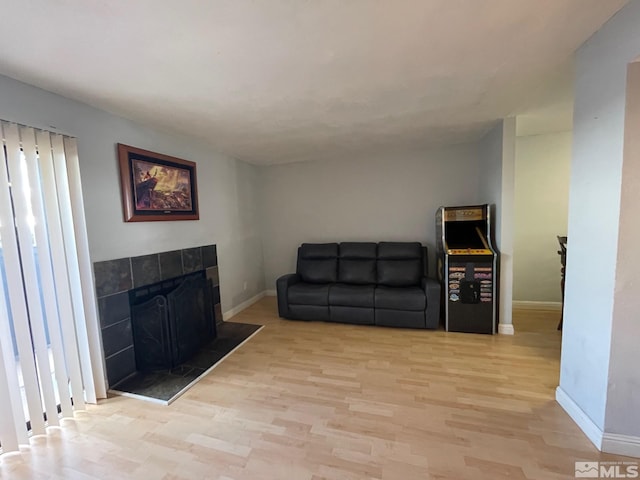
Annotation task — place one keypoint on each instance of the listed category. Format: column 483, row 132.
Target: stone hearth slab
column 166, row 386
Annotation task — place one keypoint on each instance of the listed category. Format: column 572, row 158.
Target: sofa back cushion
column 318, row 262
column 400, row 264
column 357, row 263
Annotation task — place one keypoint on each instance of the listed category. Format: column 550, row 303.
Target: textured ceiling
column 278, row 81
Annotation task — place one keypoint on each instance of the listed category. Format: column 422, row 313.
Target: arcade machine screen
column 464, row 235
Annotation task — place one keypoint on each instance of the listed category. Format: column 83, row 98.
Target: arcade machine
column 467, row 268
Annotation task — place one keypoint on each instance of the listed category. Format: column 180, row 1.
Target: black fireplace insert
column 171, row 320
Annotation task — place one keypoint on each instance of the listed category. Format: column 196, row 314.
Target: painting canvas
column 157, row 187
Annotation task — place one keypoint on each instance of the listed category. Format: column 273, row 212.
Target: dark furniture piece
column 364, row 283
column 467, row 268
column 563, row 261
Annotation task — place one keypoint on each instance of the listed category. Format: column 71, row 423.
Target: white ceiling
column 278, row 81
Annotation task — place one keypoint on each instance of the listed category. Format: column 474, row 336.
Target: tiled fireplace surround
column 114, row 279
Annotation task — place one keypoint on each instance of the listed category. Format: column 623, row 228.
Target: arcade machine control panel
column 467, row 268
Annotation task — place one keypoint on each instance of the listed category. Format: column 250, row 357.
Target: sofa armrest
column 431, row 289
column 282, row 287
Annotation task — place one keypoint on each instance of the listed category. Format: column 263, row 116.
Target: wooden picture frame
column 156, row 187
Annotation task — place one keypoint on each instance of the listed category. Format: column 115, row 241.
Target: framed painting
column 156, row 187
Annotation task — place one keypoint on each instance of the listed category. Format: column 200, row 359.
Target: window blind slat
column 21, row 202
column 13, row 429
column 60, row 273
column 8, row 432
column 68, row 234
column 46, row 275
column 85, row 269
column 15, row 289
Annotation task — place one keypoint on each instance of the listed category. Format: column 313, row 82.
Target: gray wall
column 391, row 197
column 496, row 153
column 588, row 377
column 227, row 189
column 541, row 212
column 490, row 154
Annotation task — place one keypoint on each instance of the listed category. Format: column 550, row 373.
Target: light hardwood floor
column 317, row 400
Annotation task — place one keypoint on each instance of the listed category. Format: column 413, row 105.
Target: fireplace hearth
column 164, row 386
column 171, row 321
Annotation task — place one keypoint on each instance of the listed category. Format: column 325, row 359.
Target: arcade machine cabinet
column 467, row 268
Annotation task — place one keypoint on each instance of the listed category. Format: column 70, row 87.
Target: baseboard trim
column 506, row 329
column 238, row 308
column 590, row 429
column 530, row 305
column 270, row 293
column 621, row 444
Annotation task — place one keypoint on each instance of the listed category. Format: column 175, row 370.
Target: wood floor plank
column 314, row 400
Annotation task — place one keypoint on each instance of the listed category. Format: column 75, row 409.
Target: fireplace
column 167, row 282
column 171, row 321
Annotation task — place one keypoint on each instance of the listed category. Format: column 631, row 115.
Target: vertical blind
column 49, row 360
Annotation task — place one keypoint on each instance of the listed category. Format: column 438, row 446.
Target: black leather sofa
column 364, row 283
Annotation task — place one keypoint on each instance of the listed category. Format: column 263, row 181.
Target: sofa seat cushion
column 351, row 295
column 400, row 298
column 400, row 273
column 308, row 294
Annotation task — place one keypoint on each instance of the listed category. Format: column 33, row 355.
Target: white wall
column 586, row 373
column 541, row 211
column 623, row 393
column 226, row 187
column 594, row 205
column 391, row 197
